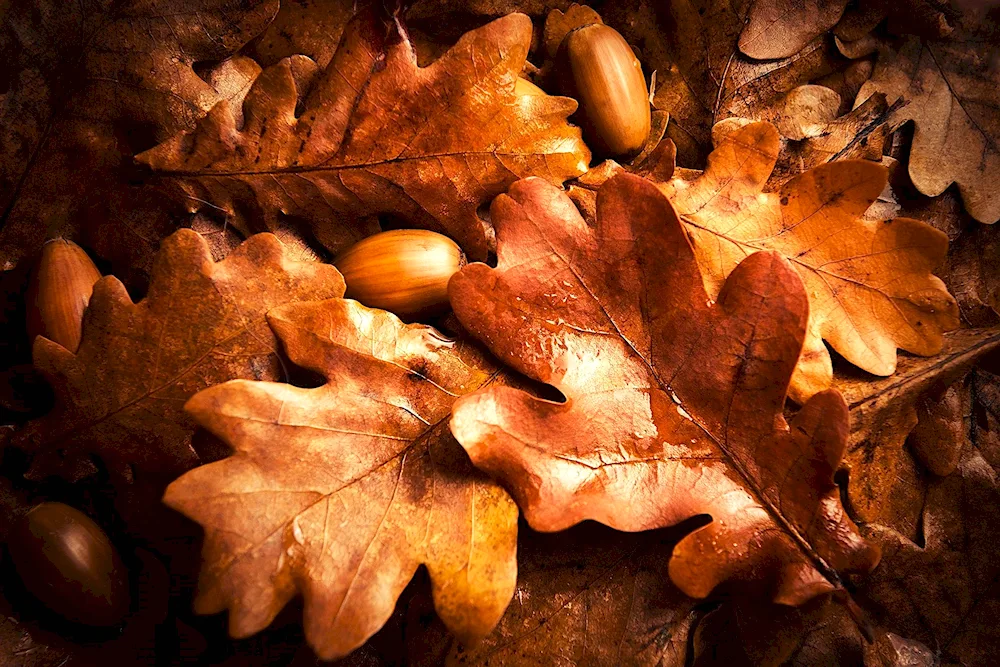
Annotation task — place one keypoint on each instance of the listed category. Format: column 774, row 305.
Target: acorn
column 60, row 288
column 66, row 561
column 405, row 271
column 596, row 66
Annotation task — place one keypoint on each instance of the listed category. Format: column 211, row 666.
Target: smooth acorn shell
column 66, row 561
column 596, row 66
column 58, row 293
column 404, row 271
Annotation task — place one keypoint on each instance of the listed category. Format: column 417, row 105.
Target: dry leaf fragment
column 950, row 93
column 673, row 402
column 870, row 285
column 120, row 395
column 375, row 133
column 340, row 492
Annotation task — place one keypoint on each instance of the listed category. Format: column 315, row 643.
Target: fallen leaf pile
column 743, row 387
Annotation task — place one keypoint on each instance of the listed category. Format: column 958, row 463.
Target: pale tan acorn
column 596, row 66
column 66, row 561
column 58, row 293
column 404, row 271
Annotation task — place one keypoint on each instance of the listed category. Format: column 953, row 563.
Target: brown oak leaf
column 120, row 396
column 870, row 284
column 376, row 133
column 340, row 492
column 780, row 28
column 673, row 401
column 950, row 92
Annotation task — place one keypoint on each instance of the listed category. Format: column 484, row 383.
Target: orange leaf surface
column 673, row 402
column 340, row 492
column 870, row 284
column 376, row 133
column 120, row 396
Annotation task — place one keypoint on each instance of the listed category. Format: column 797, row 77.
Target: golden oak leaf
column 950, row 92
column 870, row 284
column 673, row 401
column 120, row 396
column 375, row 133
column 340, row 492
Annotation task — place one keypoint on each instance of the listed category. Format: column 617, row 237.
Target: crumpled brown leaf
column 120, row 396
column 93, row 83
column 340, row 492
column 887, row 484
column 950, row 92
column 375, row 133
column 673, row 402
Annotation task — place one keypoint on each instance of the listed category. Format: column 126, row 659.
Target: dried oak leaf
column 376, row 133
column 781, row 28
column 950, row 92
column 887, row 485
column 120, row 396
column 92, row 83
column 870, row 284
column 340, row 492
column 673, row 402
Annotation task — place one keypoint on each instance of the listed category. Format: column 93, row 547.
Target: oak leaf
column 673, row 402
column 120, row 396
column 340, row 492
column 780, row 28
column 376, row 133
column 949, row 89
column 870, row 285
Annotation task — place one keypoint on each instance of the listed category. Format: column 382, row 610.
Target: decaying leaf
column 376, row 133
column 340, row 492
column 673, row 402
column 886, row 486
column 120, row 396
column 93, row 83
column 870, row 285
column 949, row 89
